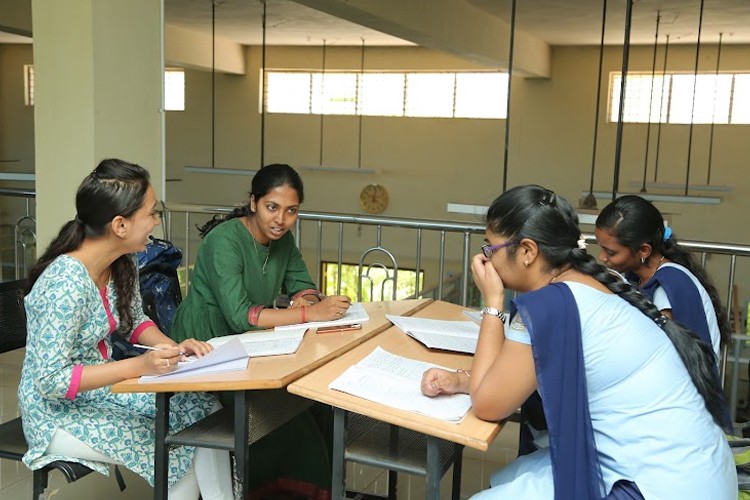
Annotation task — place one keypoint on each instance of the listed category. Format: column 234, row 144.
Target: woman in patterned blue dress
column 631, row 403
column 84, row 288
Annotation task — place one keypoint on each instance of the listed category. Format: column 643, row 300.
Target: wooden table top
column 472, row 431
column 273, row 372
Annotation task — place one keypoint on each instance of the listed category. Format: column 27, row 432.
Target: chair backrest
column 12, row 315
column 385, row 275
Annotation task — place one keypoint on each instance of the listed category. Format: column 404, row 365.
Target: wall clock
column 373, row 199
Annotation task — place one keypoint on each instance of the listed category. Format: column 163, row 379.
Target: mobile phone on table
column 339, row 328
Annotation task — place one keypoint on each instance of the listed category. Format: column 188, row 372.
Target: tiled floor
column 15, row 479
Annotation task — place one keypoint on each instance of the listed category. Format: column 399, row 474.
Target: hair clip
column 661, row 320
column 582, row 243
column 667, row 233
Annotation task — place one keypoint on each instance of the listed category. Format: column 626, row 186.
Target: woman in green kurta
column 245, row 261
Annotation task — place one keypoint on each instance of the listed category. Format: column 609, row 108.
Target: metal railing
column 24, row 230
column 442, row 249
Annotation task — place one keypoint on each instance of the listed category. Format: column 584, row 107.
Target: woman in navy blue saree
column 631, row 403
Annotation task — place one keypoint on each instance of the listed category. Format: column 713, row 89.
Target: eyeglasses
column 488, row 250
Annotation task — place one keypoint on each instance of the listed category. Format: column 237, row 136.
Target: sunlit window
column 681, row 98
column 432, row 95
column 174, row 90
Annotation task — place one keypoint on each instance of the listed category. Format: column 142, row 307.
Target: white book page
column 230, row 356
column 412, row 324
column 459, row 336
column 355, row 314
column 395, row 381
column 273, row 343
column 455, row 343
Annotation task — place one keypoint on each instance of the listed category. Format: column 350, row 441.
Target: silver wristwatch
column 492, row 311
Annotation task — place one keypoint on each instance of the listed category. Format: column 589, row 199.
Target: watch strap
column 492, row 311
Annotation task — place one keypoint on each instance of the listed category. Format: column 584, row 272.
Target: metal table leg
column 161, row 453
column 457, row 464
column 735, row 378
column 338, row 473
column 241, row 439
column 432, row 486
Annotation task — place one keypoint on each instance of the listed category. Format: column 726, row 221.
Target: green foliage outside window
column 350, row 280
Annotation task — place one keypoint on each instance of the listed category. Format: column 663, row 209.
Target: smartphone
column 339, row 328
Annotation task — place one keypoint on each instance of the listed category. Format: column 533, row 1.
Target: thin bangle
column 461, row 370
column 304, row 316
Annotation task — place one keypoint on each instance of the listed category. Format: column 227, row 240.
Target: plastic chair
column 12, row 441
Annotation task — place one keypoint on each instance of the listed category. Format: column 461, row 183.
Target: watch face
column 373, row 199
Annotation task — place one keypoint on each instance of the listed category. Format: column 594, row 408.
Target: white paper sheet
column 458, row 336
column 230, row 356
column 355, row 314
column 395, row 381
column 273, row 343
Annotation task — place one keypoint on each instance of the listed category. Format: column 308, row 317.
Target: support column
column 98, row 68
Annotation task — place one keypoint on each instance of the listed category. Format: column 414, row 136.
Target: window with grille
column 174, row 88
column 722, row 98
column 406, row 286
column 428, row 95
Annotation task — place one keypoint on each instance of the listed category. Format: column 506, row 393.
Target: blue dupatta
column 684, row 298
column 687, row 309
column 551, row 318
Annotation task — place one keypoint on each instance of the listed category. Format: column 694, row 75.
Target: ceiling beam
column 451, row 26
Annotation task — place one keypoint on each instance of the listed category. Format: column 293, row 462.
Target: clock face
column 373, row 199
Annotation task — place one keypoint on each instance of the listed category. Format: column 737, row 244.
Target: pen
column 152, row 348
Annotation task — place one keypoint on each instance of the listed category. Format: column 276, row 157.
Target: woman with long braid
column 632, row 405
column 634, row 241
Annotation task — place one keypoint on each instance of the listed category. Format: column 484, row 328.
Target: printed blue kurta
column 69, row 324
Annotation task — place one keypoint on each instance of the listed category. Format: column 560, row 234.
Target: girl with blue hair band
column 635, row 242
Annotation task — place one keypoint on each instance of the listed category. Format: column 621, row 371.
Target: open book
column 355, row 314
column 459, row 336
column 228, row 357
column 258, row 344
column 395, row 381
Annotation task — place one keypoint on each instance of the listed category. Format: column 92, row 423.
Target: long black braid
column 549, row 220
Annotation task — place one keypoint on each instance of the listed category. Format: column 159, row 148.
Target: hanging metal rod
column 623, row 87
column 661, row 101
column 692, row 108
column 713, row 113
column 590, row 200
column 651, row 101
column 263, row 91
column 510, row 85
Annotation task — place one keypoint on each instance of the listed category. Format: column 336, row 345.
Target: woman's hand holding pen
column 329, row 308
column 160, row 359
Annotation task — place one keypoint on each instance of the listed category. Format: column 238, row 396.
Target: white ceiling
column 558, row 22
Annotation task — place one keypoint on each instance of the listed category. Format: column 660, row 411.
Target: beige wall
column 426, row 163
column 16, row 119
